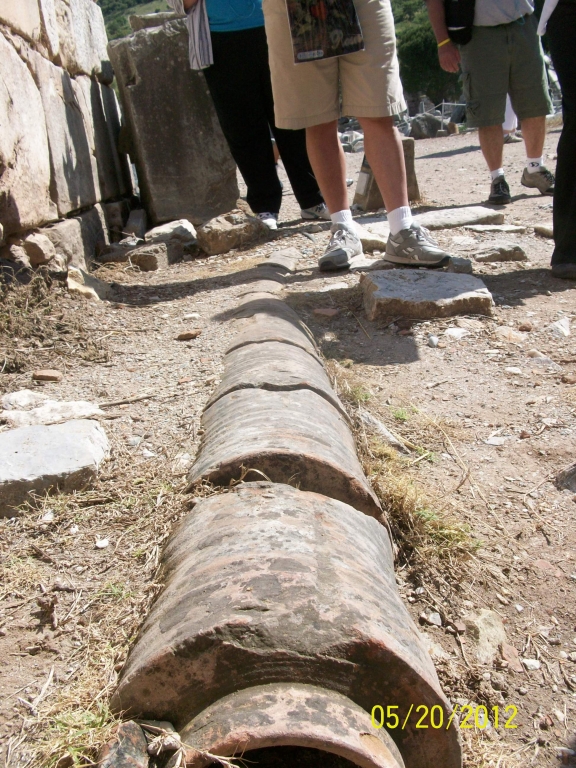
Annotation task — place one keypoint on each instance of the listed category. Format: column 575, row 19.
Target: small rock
column 531, row 664
column 496, row 252
column 519, row 608
column 434, row 619
column 535, row 353
column 486, row 632
column 128, row 749
column 566, row 479
column 102, row 543
column 459, row 265
column 456, row 333
column 498, row 681
column 460, row 627
column 433, row 341
column 495, row 440
column 522, row 691
column 60, row 585
column 39, row 249
column 188, row 335
column 134, row 441
column 526, row 327
column 511, row 335
column 148, row 454
column 514, row 371
column 74, row 529
column 544, row 230
column 569, row 378
column 221, row 234
column 561, row 327
column 326, row 312
column 181, row 230
column 572, row 656
column 47, row 374
column 192, row 316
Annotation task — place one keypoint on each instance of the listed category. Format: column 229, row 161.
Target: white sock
column 534, row 164
column 343, row 217
column 399, row 218
column 496, row 173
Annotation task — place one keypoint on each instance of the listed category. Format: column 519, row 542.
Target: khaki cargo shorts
column 500, row 60
column 307, row 94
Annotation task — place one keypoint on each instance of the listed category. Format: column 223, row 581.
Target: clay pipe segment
column 283, row 715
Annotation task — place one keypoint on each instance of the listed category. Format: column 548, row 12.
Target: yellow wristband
column 444, row 42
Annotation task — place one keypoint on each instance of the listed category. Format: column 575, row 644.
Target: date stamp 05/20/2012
column 466, row 717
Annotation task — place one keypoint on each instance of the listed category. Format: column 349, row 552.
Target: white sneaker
column 343, row 246
column 317, row 212
column 269, row 219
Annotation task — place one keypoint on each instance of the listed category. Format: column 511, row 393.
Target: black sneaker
column 500, row 192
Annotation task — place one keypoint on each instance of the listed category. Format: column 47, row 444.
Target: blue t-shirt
column 234, row 15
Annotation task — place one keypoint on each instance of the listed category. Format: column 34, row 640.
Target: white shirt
column 490, row 13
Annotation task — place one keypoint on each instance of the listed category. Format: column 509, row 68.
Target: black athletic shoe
column 500, row 192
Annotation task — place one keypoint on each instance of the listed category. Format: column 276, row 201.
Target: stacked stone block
column 59, row 121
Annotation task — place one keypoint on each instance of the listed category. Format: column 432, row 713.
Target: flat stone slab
column 447, row 218
column 268, row 584
column 518, row 228
column 275, row 366
column 60, row 456
column 295, row 437
column 424, row 294
column 496, row 252
column 263, row 327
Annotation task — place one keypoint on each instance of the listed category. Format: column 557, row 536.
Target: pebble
column 456, row 333
column 572, row 656
column 188, row 335
column 531, row 664
column 522, row 691
column 48, row 516
column 192, row 316
column 560, row 327
column 47, row 374
column 74, row 529
column 148, row 454
column 519, row 608
column 326, row 312
column 134, row 441
column 514, row 371
column 102, row 543
column 433, row 341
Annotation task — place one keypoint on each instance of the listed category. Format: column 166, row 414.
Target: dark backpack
column 459, row 20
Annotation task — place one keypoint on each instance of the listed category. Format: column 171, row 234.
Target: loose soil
column 477, row 520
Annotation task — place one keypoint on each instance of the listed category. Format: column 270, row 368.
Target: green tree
column 418, row 54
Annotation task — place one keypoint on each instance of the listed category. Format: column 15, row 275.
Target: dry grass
column 35, row 329
column 97, row 621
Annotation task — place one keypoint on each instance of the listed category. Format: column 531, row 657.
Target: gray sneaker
column 542, row 180
column 415, row 246
column 343, row 246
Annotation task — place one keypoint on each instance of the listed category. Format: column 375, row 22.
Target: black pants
column 562, row 39
column 239, row 82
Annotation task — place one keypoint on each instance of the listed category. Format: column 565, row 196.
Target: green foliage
column 418, row 54
column 116, row 14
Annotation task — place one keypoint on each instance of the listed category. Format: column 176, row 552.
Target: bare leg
column 534, row 134
column 492, row 145
column 329, row 164
column 386, row 157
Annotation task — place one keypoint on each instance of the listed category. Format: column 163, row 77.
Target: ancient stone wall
column 59, row 127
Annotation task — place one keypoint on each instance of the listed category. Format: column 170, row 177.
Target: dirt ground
column 492, row 531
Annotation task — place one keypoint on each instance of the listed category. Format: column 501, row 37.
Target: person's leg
column 561, row 35
column 329, row 164
column 492, row 145
column 530, row 99
column 385, row 155
column 234, row 84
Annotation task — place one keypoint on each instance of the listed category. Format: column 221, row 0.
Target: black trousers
column 562, row 40
column 240, row 86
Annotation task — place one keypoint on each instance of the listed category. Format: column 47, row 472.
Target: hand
column 449, row 57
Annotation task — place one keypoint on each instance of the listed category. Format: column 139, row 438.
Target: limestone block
column 102, row 120
column 24, row 154
column 151, row 20
column 50, row 36
column 23, row 16
column 423, row 294
column 269, row 584
column 70, row 137
column 79, row 239
column 36, row 459
column 83, row 39
column 182, row 231
column 184, row 165
column 296, row 437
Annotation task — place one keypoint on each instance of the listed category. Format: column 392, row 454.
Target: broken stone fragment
column 128, row 748
column 567, row 478
column 39, row 249
column 47, row 374
column 37, row 459
column 224, row 233
column 188, row 335
column 486, row 632
column 495, row 252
